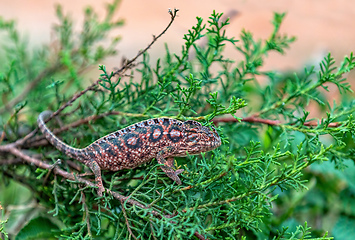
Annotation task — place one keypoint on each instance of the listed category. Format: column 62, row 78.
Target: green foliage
column 2, row 231
column 253, row 187
column 344, row 228
column 301, row 232
column 38, row 228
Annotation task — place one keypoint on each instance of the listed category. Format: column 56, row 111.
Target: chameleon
column 159, row 138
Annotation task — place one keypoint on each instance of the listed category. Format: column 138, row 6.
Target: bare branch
column 254, row 119
column 127, row 223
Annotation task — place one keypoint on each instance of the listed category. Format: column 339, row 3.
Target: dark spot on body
column 95, row 146
column 104, row 145
column 141, row 130
column 116, row 142
column 128, row 157
column 155, row 129
column 111, row 152
column 132, row 141
column 90, row 153
column 72, row 151
column 173, row 134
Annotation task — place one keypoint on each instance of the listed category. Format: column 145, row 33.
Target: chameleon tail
column 75, row 153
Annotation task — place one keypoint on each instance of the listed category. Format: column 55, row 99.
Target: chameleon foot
column 172, row 174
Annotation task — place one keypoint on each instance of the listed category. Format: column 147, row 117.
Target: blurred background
column 321, row 26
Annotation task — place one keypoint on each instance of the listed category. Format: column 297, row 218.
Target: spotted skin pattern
column 160, row 138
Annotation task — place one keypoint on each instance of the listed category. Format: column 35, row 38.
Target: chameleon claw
column 173, row 175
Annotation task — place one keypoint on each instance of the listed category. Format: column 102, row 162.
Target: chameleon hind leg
column 169, row 164
column 95, row 168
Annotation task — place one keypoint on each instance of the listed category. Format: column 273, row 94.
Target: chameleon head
column 198, row 138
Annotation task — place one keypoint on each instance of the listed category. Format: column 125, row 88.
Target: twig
column 199, row 236
column 254, row 119
column 315, row 124
column 155, row 38
column 151, row 229
column 50, row 171
column 127, row 223
column 87, row 219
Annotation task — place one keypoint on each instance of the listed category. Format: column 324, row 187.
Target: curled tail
column 75, row 153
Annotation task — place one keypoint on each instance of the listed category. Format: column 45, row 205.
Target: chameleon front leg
column 95, row 168
column 169, row 164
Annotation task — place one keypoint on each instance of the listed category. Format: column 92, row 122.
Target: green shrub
column 265, row 182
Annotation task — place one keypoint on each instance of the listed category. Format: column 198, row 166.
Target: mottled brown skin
column 134, row 145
